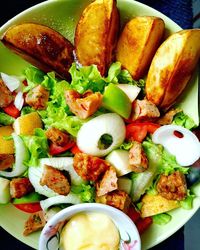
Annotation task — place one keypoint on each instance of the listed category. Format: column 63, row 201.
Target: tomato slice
column 29, row 207
column 137, row 131
column 56, row 150
column 12, row 110
column 143, row 224
column 75, row 149
column 133, row 214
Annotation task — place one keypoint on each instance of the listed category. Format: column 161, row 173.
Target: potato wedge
column 97, row 33
column 172, row 67
column 6, row 146
column 26, row 124
column 138, row 43
column 41, row 46
column 156, row 204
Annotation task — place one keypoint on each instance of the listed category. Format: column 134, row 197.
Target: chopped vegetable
column 12, row 110
column 55, row 150
column 29, row 207
column 162, row 219
column 21, row 156
column 6, row 119
column 91, row 132
column 137, row 131
column 60, row 199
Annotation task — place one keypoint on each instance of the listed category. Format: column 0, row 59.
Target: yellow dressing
column 90, row 231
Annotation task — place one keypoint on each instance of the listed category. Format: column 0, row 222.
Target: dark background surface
column 12, row 7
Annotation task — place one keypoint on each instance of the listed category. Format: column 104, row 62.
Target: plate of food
column 98, row 103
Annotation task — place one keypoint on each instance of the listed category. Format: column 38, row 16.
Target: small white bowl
column 129, row 235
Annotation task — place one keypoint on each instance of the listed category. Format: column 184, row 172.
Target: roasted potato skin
column 42, row 46
column 97, row 33
column 172, row 67
column 138, row 43
column 156, row 204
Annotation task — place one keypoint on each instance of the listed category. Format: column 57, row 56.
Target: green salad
column 84, row 140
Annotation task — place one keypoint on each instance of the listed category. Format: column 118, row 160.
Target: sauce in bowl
column 91, row 231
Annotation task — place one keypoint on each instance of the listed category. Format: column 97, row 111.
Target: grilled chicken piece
column 108, row 182
column 35, row 222
column 118, row 199
column 173, row 186
column 84, row 105
column 20, row 187
column 168, row 117
column 6, row 161
column 37, row 97
column 58, row 137
column 89, row 168
column 5, row 95
column 55, row 180
column 137, row 158
column 144, row 110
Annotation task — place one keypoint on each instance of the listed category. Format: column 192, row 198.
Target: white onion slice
column 186, row 147
column 91, row 132
column 11, row 82
column 131, row 91
column 19, row 100
column 60, row 199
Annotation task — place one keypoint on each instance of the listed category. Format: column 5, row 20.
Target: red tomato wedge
column 143, row 224
column 75, row 149
column 137, row 131
column 56, row 150
column 133, row 214
column 12, row 110
column 29, row 207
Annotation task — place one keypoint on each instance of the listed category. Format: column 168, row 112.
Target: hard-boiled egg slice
column 180, row 142
column 90, row 134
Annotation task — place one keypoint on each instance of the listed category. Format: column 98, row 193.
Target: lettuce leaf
column 118, row 75
column 6, row 119
column 33, row 76
column 27, row 110
column 57, row 117
column 85, row 191
column 187, row 203
column 37, row 145
column 87, row 77
column 161, row 219
column 126, row 145
column 165, row 161
column 184, row 120
column 57, row 96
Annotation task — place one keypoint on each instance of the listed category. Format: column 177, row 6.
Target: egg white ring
column 91, row 132
column 186, row 149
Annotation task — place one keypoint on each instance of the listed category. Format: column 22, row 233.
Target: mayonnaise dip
column 90, row 231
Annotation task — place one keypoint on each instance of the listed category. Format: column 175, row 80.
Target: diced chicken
column 55, row 180
column 58, row 137
column 173, row 186
column 20, row 187
column 108, row 182
column 37, row 97
column 6, row 161
column 144, row 110
column 168, row 117
column 84, row 105
column 89, row 168
column 5, row 95
column 118, row 199
column 137, row 158
column 35, row 222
